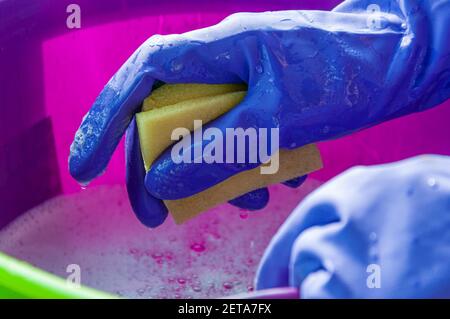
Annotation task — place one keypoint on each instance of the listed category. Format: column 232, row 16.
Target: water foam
column 214, row 255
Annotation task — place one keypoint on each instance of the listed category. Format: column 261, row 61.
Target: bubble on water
column 119, row 293
column 181, row 281
column 157, row 255
column 243, row 215
column 196, row 288
column 140, row 291
column 259, row 69
column 198, row 247
column 172, row 239
column 227, row 285
column 168, row 256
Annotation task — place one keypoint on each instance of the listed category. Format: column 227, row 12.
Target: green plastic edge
column 19, row 279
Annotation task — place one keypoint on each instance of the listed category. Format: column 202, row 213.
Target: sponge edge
column 169, row 94
column 292, row 163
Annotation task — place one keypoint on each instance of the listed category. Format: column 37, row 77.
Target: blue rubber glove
column 372, row 232
column 149, row 210
column 314, row 75
column 259, row 198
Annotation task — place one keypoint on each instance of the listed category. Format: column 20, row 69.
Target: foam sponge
column 156, row 125
column 169, row 94
column 178, row 105
column 293, row 163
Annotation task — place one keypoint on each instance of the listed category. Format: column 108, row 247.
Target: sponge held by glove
column 178, row 105
column 159, row 118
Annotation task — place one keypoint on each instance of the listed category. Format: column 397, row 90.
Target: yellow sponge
column 156, row 125
column 178, row 105
column 169, row 94
column 293, row 163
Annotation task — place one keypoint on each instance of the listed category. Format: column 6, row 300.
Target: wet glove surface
column 371, row 232
column 314, row 75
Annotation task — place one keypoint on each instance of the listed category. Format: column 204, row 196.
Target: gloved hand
column 314, row 75
column 151, row 211
column 372, row 232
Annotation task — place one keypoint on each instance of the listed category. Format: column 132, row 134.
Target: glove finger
column 313, row 265
column 253, row 200
column 149, row 210
column 273, row 270
column 169, row 178
column 105, row 123
column 295, row 182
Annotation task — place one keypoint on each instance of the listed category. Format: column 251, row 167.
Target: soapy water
column 212, row 256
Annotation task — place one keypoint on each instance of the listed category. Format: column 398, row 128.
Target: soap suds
column 212, row 256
